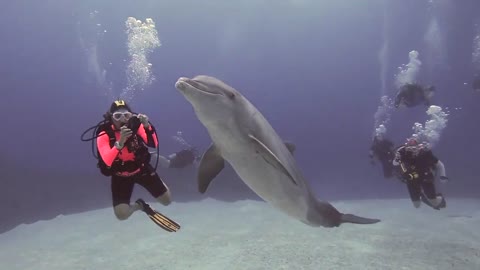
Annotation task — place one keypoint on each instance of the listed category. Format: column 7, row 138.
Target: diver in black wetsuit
column 183, row 158
column 476, row 83
column 413, row 94
column 382, row 149
column 418, row 168
column 178, row 160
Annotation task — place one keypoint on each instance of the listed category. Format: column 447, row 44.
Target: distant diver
column 418, row 168
column 122, row 140
column 382, row 149
column 476, row 83
column 178, row 160
column 413, row 94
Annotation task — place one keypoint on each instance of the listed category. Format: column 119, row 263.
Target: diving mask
column 118, row 115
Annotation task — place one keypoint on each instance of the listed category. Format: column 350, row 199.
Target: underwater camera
column 134, row 124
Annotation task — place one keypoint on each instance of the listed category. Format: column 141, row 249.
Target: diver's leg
column 165, row 198
column 157, row 188
column 436, row 200
column 414, row 192
column 387, row 168
column 163, row 161
column 122, row 188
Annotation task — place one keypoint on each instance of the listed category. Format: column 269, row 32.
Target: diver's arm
column 162, row 161
column 371, row 156
column 401, row 95
column 426, row 98
column 396, row 159
column 440, row 169
column 107, row 153
column 390, row 144
column 148, row 135
column 398, row 98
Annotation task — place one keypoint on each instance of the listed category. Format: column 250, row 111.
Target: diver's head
column 119, row 113
column 379, row 137
column 380, row 132
column 413, row 147
column 411, row 142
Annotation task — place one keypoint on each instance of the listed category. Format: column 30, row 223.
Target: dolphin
column 244, row 138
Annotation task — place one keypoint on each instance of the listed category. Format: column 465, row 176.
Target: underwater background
column 317, row 70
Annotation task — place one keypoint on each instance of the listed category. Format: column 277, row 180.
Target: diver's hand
column 397, row 159
column 144, row 120
column 125, row 133
column 444, row 179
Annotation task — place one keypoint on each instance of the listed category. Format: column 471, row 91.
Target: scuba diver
column 178, row 160
column 476, row 83
column 413, row 94
column 418, row 168
column 382, row 149
column 122, row 140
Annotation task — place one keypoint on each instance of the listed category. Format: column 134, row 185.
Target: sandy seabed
column 251, row 235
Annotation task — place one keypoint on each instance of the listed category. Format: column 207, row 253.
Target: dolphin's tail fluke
column 349, row 218
column 326, row 215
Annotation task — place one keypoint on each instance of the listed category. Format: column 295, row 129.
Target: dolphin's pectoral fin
column 210, row 166
column 270, row 157
column 291, row 147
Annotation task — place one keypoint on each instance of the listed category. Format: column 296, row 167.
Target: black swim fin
column 161, row 220
column 349, row 218
column 426, row 201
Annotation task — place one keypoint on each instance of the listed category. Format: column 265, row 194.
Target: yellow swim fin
column 161, row 220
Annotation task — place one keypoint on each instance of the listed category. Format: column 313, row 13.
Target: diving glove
column 125, row 133
column 143, row 119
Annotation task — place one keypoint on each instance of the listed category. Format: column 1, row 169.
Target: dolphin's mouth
column 184, row 83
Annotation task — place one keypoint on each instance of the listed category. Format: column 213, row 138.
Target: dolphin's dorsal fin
column 270, row 157
column 291, row 147
column 211, row 164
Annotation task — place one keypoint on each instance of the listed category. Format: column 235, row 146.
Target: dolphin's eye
column 231, row 95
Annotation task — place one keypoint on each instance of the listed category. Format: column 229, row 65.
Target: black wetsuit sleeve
column 389, row 144
column 425, row 99
column 398, row 98
column 401, row 155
